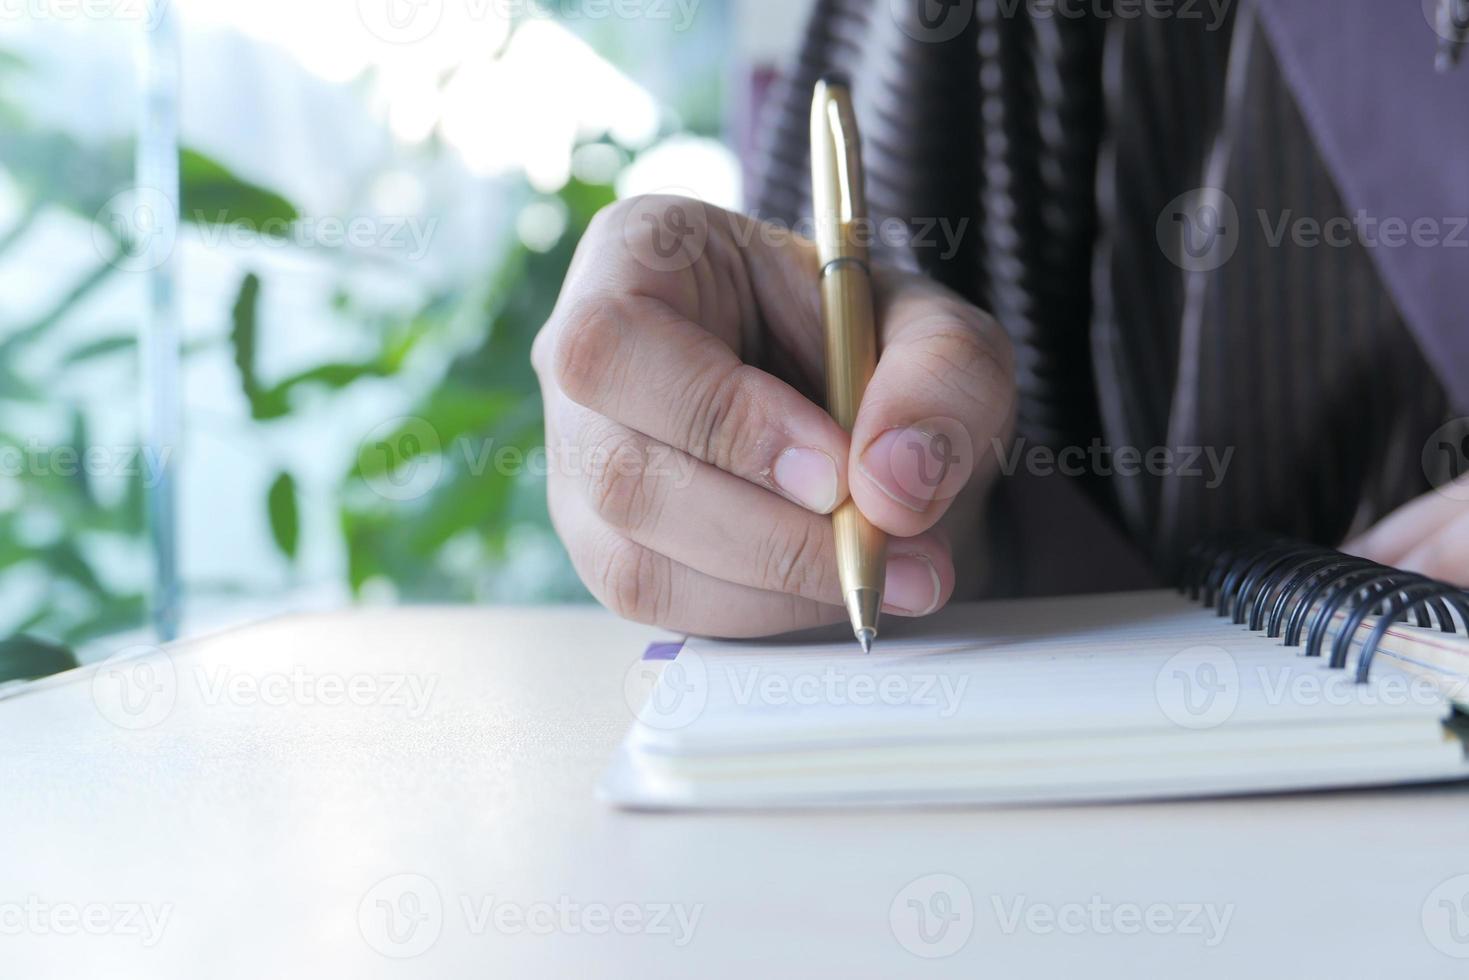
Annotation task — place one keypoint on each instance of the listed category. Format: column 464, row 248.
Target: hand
column 1429, row 535
column 692, row 466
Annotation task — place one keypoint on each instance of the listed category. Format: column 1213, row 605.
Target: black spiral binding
column 1289, row 588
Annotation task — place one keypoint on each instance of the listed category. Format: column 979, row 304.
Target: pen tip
column 865, row 637
column 835, row 78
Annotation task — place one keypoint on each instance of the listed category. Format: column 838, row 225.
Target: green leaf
column 100, row 348
column 243, row 336
column 113, row 614
column 10, row 61
column 210, row 194
column 80, row 440
column 73, row 298
column 242, row 332
column 17, row 231
column 66, row 560
column 25, row 657
column 330, row 376
column 285, row 517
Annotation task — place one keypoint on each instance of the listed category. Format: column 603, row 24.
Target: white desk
column 254, row 824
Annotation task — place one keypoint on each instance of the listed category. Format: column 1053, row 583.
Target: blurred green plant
column 479, row 406
column 54, row 517
column 486, row 407
column 485, row 403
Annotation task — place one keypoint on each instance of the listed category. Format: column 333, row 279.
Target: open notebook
column 1140, row 695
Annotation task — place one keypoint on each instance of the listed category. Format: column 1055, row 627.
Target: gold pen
column 851, row 335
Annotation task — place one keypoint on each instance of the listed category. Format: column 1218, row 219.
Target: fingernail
column 912, row 585
column 899, row 462
column 809, row 477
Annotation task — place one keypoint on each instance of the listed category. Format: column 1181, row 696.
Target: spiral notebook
column 1306, row 670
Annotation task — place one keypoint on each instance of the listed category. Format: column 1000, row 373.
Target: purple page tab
column 663, row 651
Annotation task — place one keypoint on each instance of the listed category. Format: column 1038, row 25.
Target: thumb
column 942, row 397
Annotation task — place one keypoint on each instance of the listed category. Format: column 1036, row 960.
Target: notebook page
column 1132, row 664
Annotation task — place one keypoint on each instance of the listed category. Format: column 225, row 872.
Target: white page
column 1144, row 662
column 1137, row 695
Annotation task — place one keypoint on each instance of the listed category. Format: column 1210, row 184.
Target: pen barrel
column 851, row 358
column 851, row 333
column 851, row 337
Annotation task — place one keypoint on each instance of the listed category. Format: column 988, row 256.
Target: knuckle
column 585, row 351
column 722, row 427
column 971, row 366
column 631, row 581
column 797, row 559
column 609, row 221
column 540, row 351
column 620, row 488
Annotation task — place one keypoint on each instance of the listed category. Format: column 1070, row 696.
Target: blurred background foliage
column 476, row 530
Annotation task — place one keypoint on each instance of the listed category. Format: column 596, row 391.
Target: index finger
column 657, row 349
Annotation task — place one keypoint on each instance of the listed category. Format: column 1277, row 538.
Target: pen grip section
column 851, row 338
column 861, row 553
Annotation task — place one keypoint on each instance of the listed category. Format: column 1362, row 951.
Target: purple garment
column 1395, row 134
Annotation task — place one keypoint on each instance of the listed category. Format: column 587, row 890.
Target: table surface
column 410, row 793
